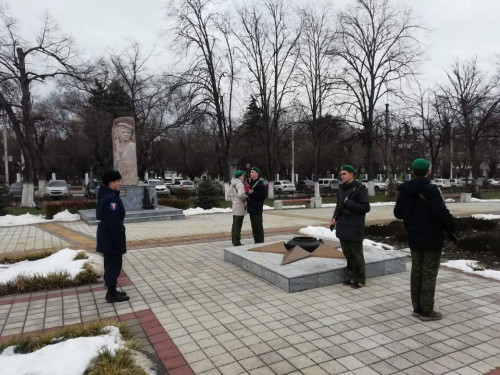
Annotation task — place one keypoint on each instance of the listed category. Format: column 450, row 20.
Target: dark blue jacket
column 111, row 231
column 255, row 201
column 350, row 214
column 421, row 207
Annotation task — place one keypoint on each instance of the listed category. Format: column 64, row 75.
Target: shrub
column 482, row 243
column 468, row 223
column 176, row 203
column 53, row 208
column 4, row 199
column 207, row 195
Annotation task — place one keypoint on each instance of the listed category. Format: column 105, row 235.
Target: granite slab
column 311, row 272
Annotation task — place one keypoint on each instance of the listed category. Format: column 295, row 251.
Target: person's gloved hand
column 332, row 227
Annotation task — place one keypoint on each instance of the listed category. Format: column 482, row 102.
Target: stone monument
column 124, row 149
column 140, row 202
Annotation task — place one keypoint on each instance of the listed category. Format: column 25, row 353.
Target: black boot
column 113, row 296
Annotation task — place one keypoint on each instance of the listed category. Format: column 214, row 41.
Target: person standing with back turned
column 349, row 221
column 111, row 240
column 421, row 207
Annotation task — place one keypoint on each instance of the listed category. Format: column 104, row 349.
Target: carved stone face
column 124, row 134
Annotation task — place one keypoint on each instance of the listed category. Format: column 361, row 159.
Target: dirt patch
column 478, row 240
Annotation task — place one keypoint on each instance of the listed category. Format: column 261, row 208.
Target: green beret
column 238, row 173
column 348, row 168
column 256, row 170
column 420, row 164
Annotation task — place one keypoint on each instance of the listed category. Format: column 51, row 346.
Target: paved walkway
column 203, row 315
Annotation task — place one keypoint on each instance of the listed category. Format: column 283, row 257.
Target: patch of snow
column 486, row 216
column 70, row 357
column 469, row 265
column 63, row 261
column 201, row 211
column 484, row 200
column 326, row 234
column 66, row 216
column 27, row 219
column 449, row 200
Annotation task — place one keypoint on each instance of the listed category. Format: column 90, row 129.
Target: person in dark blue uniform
column 111, row 240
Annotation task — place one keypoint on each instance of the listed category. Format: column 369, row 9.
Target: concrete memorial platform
column 310, row 272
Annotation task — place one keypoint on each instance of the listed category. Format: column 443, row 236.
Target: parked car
column 284, row 186
column 91, row 188
column 304, row 185
column 57, row 188
column 328, row 184
column 16, row 189
column 183, row 185
column 378, row 184
column 169, row 181
column 456, row 182
column 491, row 181
column 159, row 185
column 441, row 182
column 219, row 187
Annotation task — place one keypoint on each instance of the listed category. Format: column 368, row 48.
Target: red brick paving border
column 123, row 280
column 167, row 352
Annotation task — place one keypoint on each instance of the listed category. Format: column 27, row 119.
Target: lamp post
column 293, row 154
column 5, row 151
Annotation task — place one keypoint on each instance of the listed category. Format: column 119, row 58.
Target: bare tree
column 23, row 64
column 315, row 74
column 434, row 120
column 379, row 49
column 158, row 103
column 474, row 98
column 267, row 44
column 203, row 34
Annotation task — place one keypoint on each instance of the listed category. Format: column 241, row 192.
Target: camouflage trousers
column 236, row 230
column 257, row 228
column 353, row 252
column 424, row 271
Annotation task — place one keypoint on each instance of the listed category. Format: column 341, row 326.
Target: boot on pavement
column 433, row 315
column 113, row 296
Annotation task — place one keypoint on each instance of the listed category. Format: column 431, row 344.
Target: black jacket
column 111, row 231
column 350, row 214
column 426, row 219
column 256, row 199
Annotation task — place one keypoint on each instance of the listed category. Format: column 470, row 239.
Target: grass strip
column 52, row 281
column 122, row 362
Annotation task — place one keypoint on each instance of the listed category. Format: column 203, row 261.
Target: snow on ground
column 200, row 211
column 70, row 357
column 63, row 260
column 469, row 265
column 484, row 200
column 26, row 219
column 486, row 216
column 326, row 234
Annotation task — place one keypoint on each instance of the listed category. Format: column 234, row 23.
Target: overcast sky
column 459, row 28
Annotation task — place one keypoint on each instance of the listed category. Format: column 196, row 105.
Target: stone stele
column 124, row 149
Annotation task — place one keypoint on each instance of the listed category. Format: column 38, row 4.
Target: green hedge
column 53, row 208
column 183, row 204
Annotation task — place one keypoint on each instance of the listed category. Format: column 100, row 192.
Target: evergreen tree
column 4, row 199
column 207, row 195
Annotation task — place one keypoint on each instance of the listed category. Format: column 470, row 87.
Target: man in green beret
column 255, row 204
column 238, row 197
column 421, row 207
column 349, row 221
